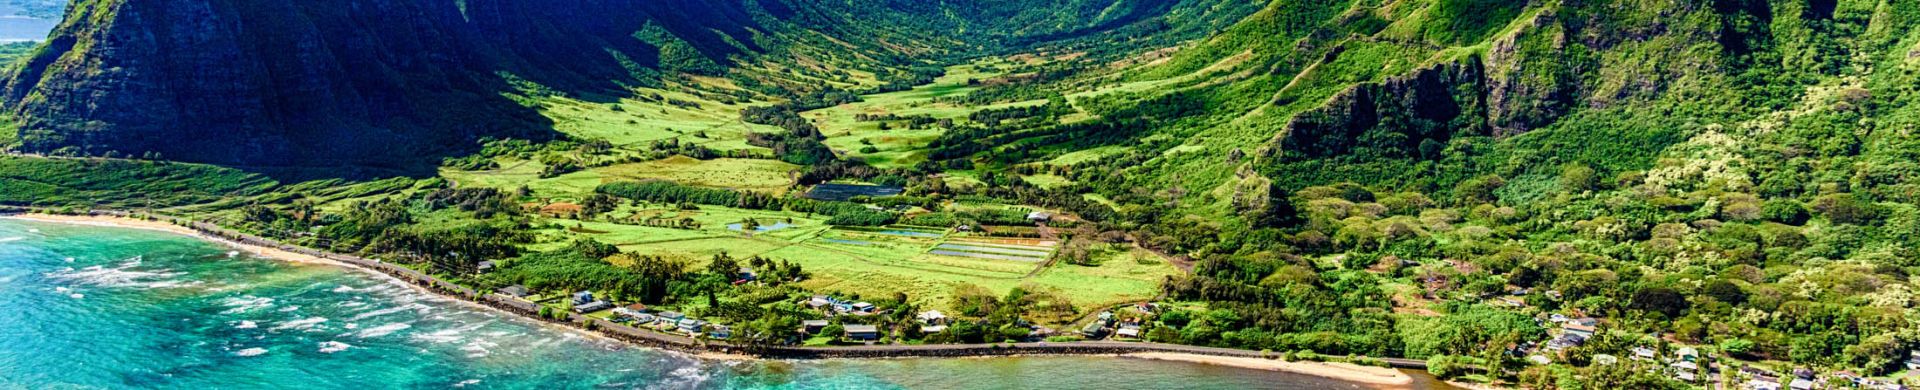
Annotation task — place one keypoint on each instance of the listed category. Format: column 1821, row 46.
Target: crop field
column 842, row 192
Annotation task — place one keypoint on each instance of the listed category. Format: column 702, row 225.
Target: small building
column 1605, row 359
column 691, row 326
column 1800, row 384
column 631, row 311
column 1688, row 354
column 1128, row 331
column 516, row 291
column 819, row 302
column 1762, row 384
column 1913, row 360
column 1558, row 318
column 484, row 266
column 644, row 319
column 812, row 327
column 1643, row 353
column 1540, row 359
column 1094, row 330
column 862, row 332
column 1039, row 216
column 862, row 307
column 672, row 316
column 582, row 298
column 590, row 307
column 720, row 332
column 932, row 317
column 1574, row 328
column 931, row 329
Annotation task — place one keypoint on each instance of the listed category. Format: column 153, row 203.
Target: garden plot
column 1025, row 250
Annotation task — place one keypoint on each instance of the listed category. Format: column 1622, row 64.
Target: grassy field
column 771, row 176
column 899, row 147
column 630, row 121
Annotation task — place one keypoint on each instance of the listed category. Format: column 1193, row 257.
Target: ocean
column 102, row 307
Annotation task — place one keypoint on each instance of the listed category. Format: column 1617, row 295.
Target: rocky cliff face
column 383, row 85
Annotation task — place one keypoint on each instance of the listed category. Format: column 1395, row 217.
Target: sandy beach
column 1378, row 376
column 132, row 223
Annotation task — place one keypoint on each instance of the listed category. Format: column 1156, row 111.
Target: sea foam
column 250, row 352
column 333, row 346
column 383, row 330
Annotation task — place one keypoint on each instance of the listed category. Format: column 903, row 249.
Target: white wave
column 333, row 346
column 289, row 308
column 384, row 330
column 343, row 288
column 353, row 304
column 304, row 323
column 77, row 295
column 69, row 259
column 390, row 310
column 352, row 326
column 33, row 230
column 446, row 336
column 61, row 289
column 250, row 352
column 465, row 383
column 479, row 348
column 245, row 325
column 123, row 275
column 244, row 304
column 11, row 239
column 233, row 253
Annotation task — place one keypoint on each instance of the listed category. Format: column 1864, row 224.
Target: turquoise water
column 95, row 307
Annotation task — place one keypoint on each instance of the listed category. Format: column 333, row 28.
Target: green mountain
column 1403, row 178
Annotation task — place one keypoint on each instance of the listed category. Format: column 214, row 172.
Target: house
column 631, row 311
column 671, row 316
column 931, row 329
column 1605, row 359
column 1131, row 331
column 643, row 319
column 1688, row 354
column 932, row 317
column 862, row 307
column 1576, row 327
column 484, row 266
column 819, row 302
column 590, row 307
column 720, row 332
column 1558, row 318
column 582, row 298
column 1565, row 341
column 691, row 326
column 1684, row 366
column 1762, row 384
column 1094, row 330
column 1913, row 360
column 812, row 326
column 1106, row 318
column 1643, row 353
column 1540, row 360
column 1801, row 384
column 862, row 332
column 516, row 291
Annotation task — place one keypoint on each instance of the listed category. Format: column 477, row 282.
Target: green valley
column 1552, row 194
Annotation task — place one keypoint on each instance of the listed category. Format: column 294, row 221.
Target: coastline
column 1363, row 375
column 1377, row 376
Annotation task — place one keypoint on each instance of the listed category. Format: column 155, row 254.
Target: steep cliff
column 385, row 85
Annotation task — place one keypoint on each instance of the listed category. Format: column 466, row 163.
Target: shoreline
column 1363, row 375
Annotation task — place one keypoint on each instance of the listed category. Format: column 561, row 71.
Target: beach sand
column 1378, row 376
column 132, row 223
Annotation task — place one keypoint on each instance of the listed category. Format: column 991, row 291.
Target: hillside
column 1428, row 179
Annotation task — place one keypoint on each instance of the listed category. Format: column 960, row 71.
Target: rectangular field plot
column 843, row 192
column 1000, row 250
column 985, row 255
